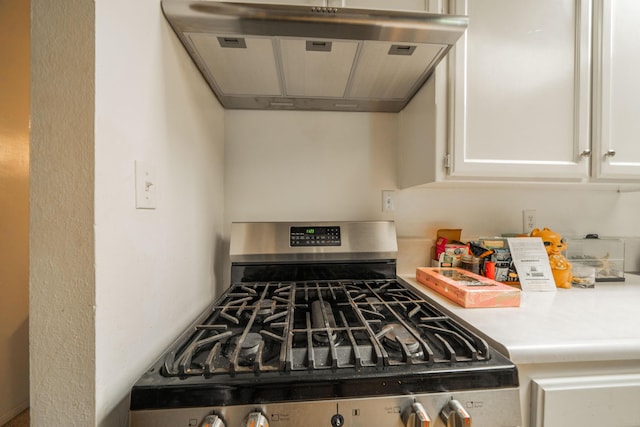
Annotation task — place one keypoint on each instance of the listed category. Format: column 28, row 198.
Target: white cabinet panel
column 617, row 91
column 589, row 401
column 521, row 90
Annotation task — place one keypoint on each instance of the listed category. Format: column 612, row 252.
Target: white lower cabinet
column 586, row 401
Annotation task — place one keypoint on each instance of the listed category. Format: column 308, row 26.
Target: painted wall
column 155, row 269
column 14, row 207
column 310, row 165
column 62, row 273
column 112, row 285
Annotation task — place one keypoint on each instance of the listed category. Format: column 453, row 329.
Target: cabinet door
column 521, row 91
column 617, row 90
column 590, row 401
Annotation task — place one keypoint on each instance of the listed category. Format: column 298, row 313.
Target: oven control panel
column 315, row 236
column 488, row 407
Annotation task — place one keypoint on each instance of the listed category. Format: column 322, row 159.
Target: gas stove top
column 326, row 324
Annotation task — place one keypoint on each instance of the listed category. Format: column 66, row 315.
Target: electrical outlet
column 528, row 220
column 388, row 200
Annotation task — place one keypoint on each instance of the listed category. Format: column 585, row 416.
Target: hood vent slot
column 397, row 49
column 261, row 56
column 315, row 46
column 233, row 42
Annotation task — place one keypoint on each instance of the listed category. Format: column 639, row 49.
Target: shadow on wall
column 20, row 365
column 118, row 416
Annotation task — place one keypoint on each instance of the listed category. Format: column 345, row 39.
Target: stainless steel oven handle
column 454, row 414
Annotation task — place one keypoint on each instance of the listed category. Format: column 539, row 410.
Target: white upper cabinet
column 616, row 130
column 535, row 91
column 520, row 88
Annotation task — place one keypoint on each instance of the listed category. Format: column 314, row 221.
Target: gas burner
column 394, row 335
column 266, row 307
column 248, row 348
column 322, row 318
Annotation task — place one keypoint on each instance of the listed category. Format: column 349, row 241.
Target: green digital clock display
column 315, row 236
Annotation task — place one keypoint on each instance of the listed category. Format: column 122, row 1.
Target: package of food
column 468, row 289
column 502, row 268
column 448, row 249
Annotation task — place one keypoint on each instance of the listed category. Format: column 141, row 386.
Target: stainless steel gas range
column 315, row 330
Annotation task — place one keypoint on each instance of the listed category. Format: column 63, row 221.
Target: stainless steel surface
column 610, row 153
column 318, row 330
column 493, row 408
column 269, row 242
column 586, row 153
column 256, row 56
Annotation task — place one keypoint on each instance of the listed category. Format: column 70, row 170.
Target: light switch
column 145, row 185
column 388, row 200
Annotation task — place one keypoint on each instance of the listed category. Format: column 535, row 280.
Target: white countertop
column 569, row 325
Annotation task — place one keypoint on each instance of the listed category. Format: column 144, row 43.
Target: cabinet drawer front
column 603, row 400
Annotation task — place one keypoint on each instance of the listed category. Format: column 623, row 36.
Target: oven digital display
column 315, row 236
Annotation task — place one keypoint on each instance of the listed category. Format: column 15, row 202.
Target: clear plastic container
column 584, row 276
column 606, row 255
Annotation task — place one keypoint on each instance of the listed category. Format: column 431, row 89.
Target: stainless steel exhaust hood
column 264, row 56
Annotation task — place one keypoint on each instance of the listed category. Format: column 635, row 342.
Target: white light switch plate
column 145, row 185
column 388, row 200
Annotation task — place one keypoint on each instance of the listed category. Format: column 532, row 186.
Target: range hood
column 266, row 56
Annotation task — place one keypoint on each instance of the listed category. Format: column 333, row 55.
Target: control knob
column 256, row 419
column 454, row 415
column 416, row 416
column 212, row 421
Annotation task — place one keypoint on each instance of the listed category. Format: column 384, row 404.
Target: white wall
column 154, row 268
column 310, row 165
column 111, row 285
column 307, row 165
column 14, row 208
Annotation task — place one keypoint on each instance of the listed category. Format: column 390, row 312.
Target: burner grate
column 336, row 326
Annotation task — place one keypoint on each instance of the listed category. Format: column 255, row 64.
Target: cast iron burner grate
column 336, row 326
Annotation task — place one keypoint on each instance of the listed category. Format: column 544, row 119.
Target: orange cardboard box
column 468, row 289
